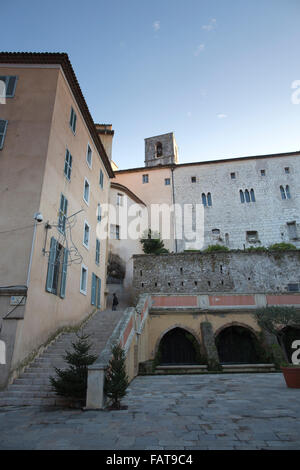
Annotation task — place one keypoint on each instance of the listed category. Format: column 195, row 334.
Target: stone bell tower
column 161, row 150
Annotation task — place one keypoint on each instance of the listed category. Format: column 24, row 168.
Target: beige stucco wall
column 45, row 312
column 153, row 192
column 22, row 163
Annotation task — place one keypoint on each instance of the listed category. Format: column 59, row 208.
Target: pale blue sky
column 218, row 73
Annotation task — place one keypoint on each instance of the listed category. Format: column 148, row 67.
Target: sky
column 218, row 73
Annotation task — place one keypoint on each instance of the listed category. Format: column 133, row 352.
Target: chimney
column 106, row 133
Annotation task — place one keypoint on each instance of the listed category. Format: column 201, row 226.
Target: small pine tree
column 72, row 382
column 152, row 244
column 116, row 380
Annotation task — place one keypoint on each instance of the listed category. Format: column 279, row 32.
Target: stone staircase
column 32, row 387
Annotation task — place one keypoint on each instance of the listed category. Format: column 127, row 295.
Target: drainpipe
column 173, row 196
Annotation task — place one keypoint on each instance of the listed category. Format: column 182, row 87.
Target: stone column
column 95, row 398
column 210, row 346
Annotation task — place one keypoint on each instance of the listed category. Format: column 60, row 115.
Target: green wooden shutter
column 94, row 287
column 64, row 274
column 51, row 262
column 98, row 292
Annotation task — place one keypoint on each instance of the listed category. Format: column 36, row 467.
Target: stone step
column 248, row 368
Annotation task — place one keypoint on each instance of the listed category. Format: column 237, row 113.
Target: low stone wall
column 234, row 272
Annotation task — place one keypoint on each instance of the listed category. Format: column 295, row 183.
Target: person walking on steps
column 115, row 302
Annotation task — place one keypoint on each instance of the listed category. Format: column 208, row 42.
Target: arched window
column 158, row 149
column 287, row 191
column 282, row 191
column 247, row 195
column 252, row 195
column 242, row 196
column 204, row 200
column 209, row 199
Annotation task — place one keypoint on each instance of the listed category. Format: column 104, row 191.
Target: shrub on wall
column 152, row 244
column 282, row 247
column 212, row 248
column 255, row 249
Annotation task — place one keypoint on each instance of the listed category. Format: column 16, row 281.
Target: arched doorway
column 237, row 345
column 286, row 338
column 178, row 347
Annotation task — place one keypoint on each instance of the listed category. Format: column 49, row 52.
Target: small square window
column 232, row 176
column 287, row 170
column 145, row 178
column 167, row 181
column 263, row 172
column 193, row 179
column 252, row 236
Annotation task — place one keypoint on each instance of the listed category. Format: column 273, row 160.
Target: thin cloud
column 221, row 116
column 199, row 49
column 156, row 25
column 211, row 25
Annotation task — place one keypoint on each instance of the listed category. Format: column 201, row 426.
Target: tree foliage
column 272, row 319
column 152, row 244
column 72, row 382
column 116, row 380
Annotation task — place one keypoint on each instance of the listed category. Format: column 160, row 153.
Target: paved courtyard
column 232, row 411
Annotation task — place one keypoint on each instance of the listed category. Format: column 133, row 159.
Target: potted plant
column 273, row 320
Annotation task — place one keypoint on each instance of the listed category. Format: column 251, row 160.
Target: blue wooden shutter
column 51, row 262
column 98, row 292
column 64, row 274
column 94, row 287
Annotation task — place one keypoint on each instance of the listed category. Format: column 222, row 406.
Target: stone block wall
column 234, row 272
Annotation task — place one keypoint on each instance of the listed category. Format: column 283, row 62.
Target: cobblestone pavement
column 232, row 411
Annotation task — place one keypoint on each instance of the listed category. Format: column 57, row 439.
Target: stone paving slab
column 215, row 412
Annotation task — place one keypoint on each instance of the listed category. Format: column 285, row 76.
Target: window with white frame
column 73, row 119
column 68, row 165
column 86, row 234
column 99, row 213
column 7, row 90
column 119, row 199
column 86, row 191
column 115, row 232
column 3, row 127
column 83, row 279
column 97, row 258
column 89, row 156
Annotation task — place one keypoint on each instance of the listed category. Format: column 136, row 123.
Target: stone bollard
column 95, row 398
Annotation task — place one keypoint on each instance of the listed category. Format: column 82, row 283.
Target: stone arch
column 175, row 347
column 236, row 323
column 237, row 343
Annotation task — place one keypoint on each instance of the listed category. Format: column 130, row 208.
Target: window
column 89, row 156
column 3, row 127
column 115, row 232
column 292, row 230
column 83, row 279
column 57, row 269
column 62, row 215
column 99, row 213
column 86, row 235
column 101, row 178
column 285, row 192
column 263, row 172
column 73, row 119
column 209, row 200
column 145, row 178
column 158, row 149
column 96, row 291
column 167, row 181
column 232, row 176
column 204, row 202
column 68, row 165
column 10, row 82
column 193, row 179
column 247, row 196
column 287, row 170
column 86, row 191
column 252, row 236
column 97, row 259
column 119, row 199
